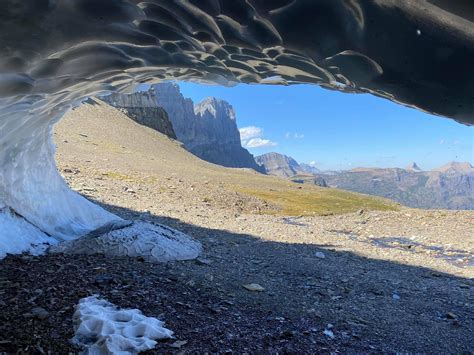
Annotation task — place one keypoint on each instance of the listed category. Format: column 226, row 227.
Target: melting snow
column 155, row 243
column 17, row 235
column 102, row 328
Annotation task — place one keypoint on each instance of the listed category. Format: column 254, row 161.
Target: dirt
column 365, row 281
column 369, row 305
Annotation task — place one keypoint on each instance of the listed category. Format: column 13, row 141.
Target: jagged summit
column 207, row 129
column 413, row 167
column 168, row 85
column 217, row 108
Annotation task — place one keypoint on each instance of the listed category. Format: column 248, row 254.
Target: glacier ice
column 19, row 236
column 102, row 328
column 155, row 243
column 53, row 54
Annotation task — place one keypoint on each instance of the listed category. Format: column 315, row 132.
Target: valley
column 450, row 186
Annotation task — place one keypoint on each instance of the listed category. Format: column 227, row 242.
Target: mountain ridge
column 207, row 129
column 279, row 164
column 450, row 186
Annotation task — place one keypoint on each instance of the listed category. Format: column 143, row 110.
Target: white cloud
column 312, row 163
column 295, row 135
column 250, row 132
column 442, row 141
column 252, row 137
column 258, row 143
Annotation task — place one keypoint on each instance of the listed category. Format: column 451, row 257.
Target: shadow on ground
column 342, row 302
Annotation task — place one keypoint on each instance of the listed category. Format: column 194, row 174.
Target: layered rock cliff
column 142, row 108
column 208, row 129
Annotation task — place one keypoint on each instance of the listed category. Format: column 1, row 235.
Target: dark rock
column 37, row 312
column 142, row 108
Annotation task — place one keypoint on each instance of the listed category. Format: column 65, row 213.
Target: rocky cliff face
column 207, row 129
column 142, row 108
column 279, row 164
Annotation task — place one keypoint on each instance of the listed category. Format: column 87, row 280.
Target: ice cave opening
column 54, row 54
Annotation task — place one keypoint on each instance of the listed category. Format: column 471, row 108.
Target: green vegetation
column 318, row 201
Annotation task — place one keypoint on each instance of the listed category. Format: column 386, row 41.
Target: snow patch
column 102, row 328
column 155, row 243
column 17, row 235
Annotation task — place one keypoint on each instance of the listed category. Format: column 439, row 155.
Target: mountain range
column 207, row 129
column 450, row 186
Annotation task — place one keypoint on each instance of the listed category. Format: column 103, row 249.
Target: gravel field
column 370, row 280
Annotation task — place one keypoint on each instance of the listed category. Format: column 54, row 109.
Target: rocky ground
column 366, row 281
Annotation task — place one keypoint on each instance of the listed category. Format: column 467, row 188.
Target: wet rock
column 37, row 312
column 320, row 255
column 329, row 333
column 253, row 287
column 103, row 279
column 451, row 315
column 202, row 261
column 178, row 344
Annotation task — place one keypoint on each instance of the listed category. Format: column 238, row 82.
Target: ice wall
column 54, row 53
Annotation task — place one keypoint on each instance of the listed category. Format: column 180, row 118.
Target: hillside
column 122, row 150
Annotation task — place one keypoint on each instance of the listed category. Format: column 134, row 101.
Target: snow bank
column 30, row 183
column 155, row 243
column 18, row 235
column 102, row 328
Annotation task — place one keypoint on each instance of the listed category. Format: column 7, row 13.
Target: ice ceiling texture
column 54, row 53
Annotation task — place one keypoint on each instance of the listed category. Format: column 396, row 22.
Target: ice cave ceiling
column 419, row 53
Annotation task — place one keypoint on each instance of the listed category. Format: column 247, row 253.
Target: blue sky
column 340, row 131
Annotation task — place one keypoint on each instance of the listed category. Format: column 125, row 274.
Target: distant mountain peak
column 456, row 166
column 310, row 168
column 279, row 164
column 413, row 167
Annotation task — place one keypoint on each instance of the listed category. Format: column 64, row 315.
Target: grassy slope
column 106, row 139
column 318, row 201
